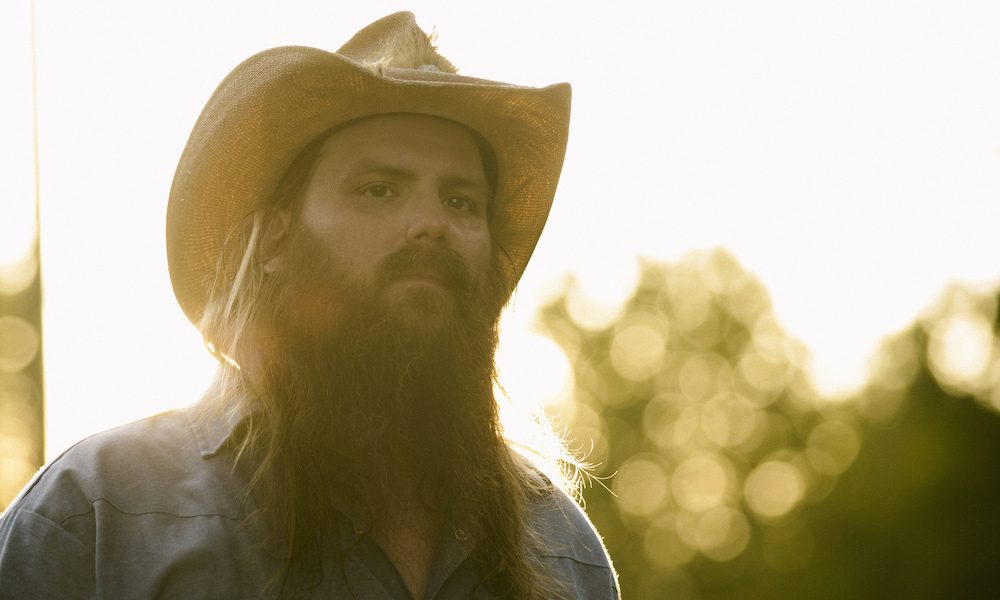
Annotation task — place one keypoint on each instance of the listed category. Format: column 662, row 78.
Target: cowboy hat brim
column 274, row 103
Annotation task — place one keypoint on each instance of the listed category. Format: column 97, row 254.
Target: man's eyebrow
column 364, row 167
column 374, row 167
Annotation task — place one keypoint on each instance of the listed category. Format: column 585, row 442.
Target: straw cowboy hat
column 274, row 103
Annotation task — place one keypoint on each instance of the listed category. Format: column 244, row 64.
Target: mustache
column 440, row 263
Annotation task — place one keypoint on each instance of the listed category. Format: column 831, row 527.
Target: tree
column 732, row 478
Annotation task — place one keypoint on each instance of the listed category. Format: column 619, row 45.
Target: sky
column 847, row 153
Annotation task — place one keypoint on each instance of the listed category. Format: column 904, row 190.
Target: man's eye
column 460, row 203
column 378, row 190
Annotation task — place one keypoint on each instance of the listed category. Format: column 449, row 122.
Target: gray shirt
column 153, row 510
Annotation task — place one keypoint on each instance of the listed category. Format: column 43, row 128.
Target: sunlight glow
column 602, row 287
column 18, row 228
column 764, row 143
column 534, row 370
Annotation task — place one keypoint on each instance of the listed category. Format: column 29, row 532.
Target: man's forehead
column 396, row 143
column 417, row 128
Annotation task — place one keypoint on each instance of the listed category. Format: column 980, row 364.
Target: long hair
column 240, row 299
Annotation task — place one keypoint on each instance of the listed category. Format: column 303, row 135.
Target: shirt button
column 358, row 530
column 460, row 535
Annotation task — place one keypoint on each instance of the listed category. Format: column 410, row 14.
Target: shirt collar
column 214, row 421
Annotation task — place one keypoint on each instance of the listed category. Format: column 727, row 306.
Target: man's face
column 380, row 324
column 391, row 185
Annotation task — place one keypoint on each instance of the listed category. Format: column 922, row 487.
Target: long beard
column 375, row 393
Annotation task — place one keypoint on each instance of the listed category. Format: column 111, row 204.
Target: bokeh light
column 20, row 424
column 963, row 352
column 19, row 343
column 597, row 294
column 701, row 482
column 764, row 375
column 960, row 350
column 20, row 290
column 832, row 447
column 774, row 488
column 18, row 273
column 729, row 419
column 663, row 546
column 638, row 347
column 642, row 486
column 721, row 533
column 719, row 450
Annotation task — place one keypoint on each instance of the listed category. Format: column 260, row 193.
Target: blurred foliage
column 21, row 402
column 732, row 478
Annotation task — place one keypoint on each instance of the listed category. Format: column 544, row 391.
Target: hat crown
column 275, row 102
column 396, row 42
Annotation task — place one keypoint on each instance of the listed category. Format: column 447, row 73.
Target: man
column 344, row 229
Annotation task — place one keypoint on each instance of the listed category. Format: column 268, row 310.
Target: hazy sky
column 847, row 153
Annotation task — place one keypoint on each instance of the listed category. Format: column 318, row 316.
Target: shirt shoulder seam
column 577, row 560
column 145, row 512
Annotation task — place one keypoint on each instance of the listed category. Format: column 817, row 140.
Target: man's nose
column 427, row 223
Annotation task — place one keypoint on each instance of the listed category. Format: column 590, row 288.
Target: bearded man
column 344, row 228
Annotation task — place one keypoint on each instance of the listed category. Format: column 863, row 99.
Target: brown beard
column 370, row 393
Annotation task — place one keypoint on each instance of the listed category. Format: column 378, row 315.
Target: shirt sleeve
column 574, row 550
column 40, row 559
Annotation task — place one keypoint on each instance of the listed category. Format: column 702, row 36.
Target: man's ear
column 272, row 241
